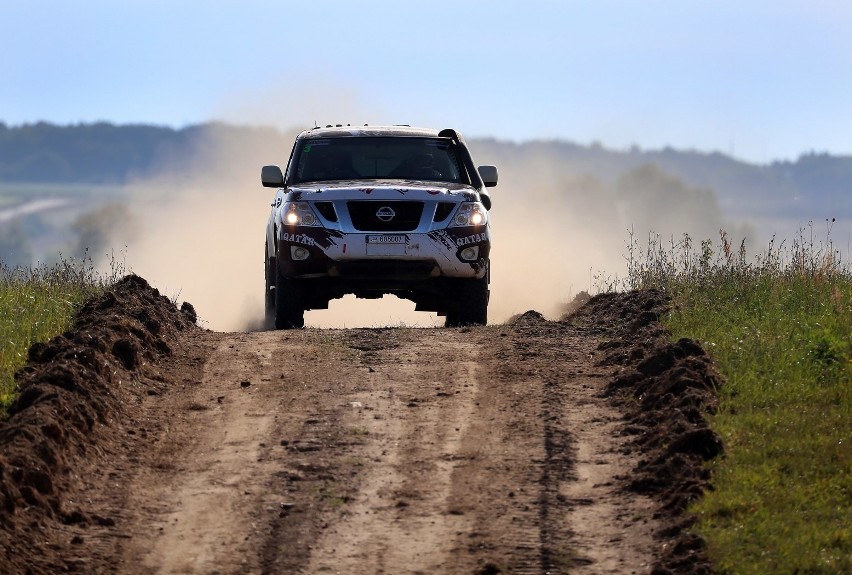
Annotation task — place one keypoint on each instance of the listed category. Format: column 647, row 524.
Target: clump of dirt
column 74, row 391
column 666, row 390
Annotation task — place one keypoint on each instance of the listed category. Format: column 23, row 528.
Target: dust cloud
column 200, row 231
column 558, row 230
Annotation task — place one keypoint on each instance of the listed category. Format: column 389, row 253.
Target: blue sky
column 762, row 80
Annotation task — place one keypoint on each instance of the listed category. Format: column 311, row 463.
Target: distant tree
column 15, row 248
column 653, row 200
column 85, row 153
column 817, row 184
column 95, row 230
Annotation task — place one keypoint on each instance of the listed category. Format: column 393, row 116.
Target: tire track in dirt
column 388, row 451
column 414, row 412
column 469, row 450
column 550, row 471
column 202, row 516
column 251, row 448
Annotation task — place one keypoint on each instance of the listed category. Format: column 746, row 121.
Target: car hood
column 381, row 190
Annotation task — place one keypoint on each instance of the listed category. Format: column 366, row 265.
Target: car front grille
column 385, row 216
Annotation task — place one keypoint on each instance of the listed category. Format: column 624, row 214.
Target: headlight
column 298, row 214
column 470, row 214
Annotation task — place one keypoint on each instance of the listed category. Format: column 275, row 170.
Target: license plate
column 385, row 239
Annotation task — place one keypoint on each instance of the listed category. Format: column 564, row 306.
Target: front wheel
column 289, row 304
column 471, row 303
column 270, row 273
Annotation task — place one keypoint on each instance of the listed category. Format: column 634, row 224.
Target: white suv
column 379, row 210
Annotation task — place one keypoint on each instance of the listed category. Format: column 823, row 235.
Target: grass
column 780, row 329
column 37, row 304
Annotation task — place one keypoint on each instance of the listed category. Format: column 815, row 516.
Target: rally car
column 377, row 210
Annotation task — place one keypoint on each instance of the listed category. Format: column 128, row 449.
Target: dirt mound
column 73, row 393
column 666, row 390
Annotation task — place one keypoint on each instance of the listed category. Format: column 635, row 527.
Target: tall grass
column 37, row 304
column 780, row 328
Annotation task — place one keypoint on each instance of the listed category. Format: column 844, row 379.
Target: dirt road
column 443, row 451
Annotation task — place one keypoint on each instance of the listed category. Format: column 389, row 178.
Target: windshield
column 429, row 159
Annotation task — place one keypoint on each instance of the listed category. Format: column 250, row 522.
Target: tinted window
column 429, row 159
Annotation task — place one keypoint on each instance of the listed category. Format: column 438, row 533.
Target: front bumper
column 410, row 257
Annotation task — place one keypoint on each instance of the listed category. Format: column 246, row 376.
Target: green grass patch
column 37, row 304
column 780, row 330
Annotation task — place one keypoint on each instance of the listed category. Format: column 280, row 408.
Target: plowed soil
column 143, row 444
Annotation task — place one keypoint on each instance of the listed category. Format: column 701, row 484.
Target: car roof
column 344, row 131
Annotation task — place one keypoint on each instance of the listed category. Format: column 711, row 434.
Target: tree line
column 106, row 153
column 97, row 153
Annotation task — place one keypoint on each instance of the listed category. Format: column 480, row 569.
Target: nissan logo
column 385, row 213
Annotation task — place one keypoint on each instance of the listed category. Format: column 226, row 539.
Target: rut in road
column 473, row 450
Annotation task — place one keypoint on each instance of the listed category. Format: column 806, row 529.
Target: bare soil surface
column 142, row 444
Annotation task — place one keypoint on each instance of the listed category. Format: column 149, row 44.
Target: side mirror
column 271, row 177
column 488, row 175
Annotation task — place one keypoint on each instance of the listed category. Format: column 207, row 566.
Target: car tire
column 270, row 271
column 471, row 303
column 289, row 306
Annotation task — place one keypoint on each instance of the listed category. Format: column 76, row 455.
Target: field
column 778, row 326
column 780, row 329
column 35, row 305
